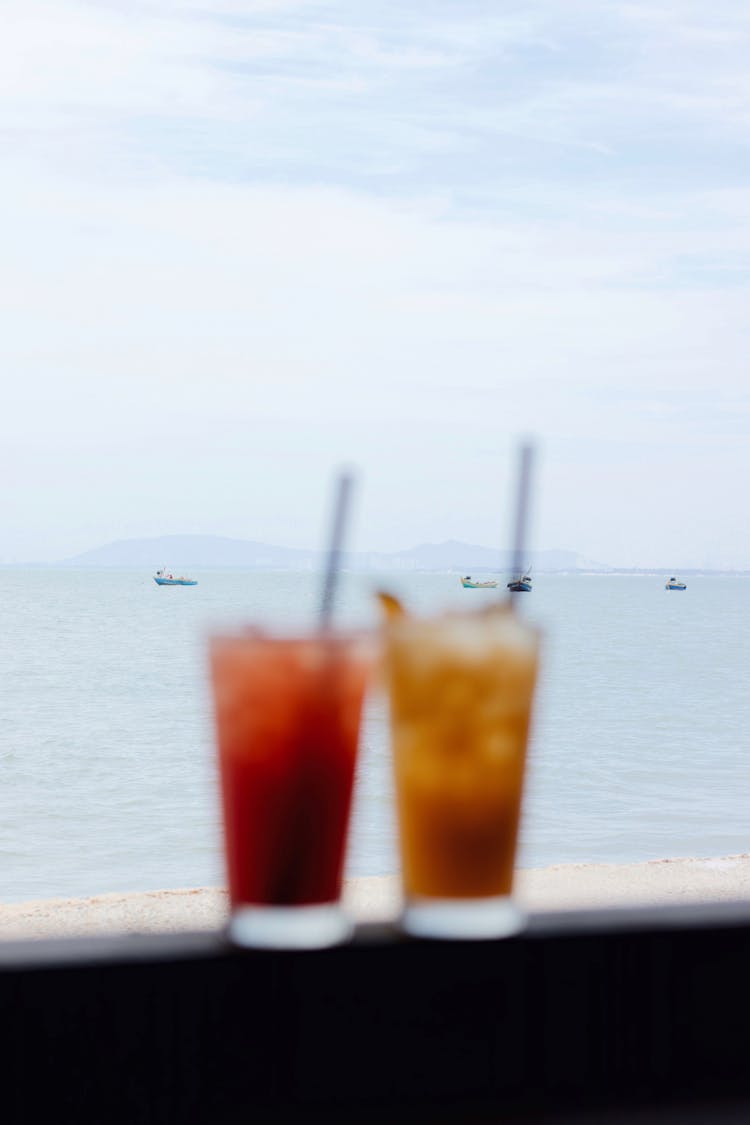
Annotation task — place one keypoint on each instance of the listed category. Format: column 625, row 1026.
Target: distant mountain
column 471, row 558
column 188, row 551
column 184, row 551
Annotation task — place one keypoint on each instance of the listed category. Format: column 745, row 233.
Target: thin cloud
column 241, row 240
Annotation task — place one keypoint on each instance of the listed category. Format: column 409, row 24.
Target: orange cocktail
column 461, row 688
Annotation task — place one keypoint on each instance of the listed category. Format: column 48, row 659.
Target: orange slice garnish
column 392, row 608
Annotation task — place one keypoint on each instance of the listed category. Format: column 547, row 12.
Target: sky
column 244, row 243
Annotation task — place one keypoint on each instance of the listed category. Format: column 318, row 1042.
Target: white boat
column 470, row 583
column 675, row 584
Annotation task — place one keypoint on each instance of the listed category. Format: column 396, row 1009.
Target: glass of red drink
column 287, row 715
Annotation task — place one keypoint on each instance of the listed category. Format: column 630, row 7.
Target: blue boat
column 522, row 584
column 675, row 584
column 470, row 583
column 161, row 578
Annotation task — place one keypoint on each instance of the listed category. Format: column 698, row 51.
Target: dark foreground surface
column 616, row 1016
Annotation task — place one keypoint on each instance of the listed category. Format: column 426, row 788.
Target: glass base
column 289, row 927
column 462, row 918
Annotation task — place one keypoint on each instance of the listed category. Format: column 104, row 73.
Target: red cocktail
column 288, row 714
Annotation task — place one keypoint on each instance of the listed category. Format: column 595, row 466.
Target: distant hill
column 183, row 551
column 188, row 551
column 471, row 558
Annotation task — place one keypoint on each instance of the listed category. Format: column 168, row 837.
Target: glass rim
column 260, row 634
column 482, row 614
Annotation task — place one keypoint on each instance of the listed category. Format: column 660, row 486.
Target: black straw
column 525, row 462
column 333, row 559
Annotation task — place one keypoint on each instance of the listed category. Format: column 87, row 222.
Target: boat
column 469, row 583
column 161, row 578
column 521, row 584
column 675, row 584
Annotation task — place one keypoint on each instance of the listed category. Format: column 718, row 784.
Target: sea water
column 107, row 762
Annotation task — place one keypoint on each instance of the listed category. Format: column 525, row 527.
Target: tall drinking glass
column 461, row 688
column 287, row 715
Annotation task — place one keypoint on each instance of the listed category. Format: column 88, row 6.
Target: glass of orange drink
column 461, row 687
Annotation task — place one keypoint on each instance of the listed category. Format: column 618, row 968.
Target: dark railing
column 607, row 1016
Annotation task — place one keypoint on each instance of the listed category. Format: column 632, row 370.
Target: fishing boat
column 161, row 578
column 675, row 584
column 470, row 583
column 521, row 584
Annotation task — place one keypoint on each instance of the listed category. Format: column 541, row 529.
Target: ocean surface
column 107, row 768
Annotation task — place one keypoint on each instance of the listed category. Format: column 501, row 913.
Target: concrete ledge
column 622, row 1015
